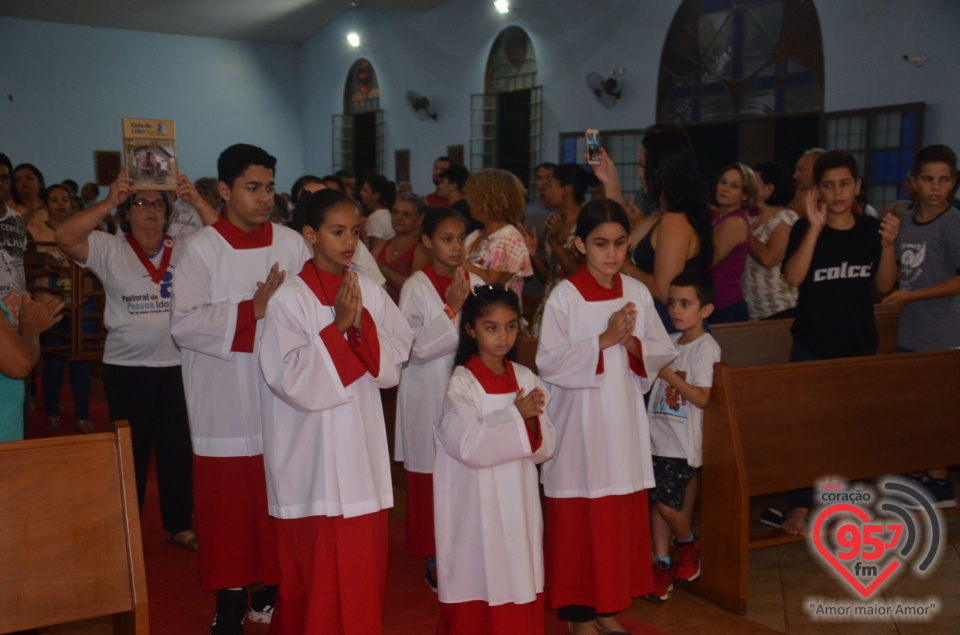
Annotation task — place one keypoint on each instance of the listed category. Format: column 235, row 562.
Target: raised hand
column 266, row 289
column 530, row 405
column 36, row 316
column 358, row 307
column 186, row 190
column 554, row 226
column 458, row 290
column 816, row 209
column 345, row 304
column 619, row 326
column 120, row 189
column 889, row 229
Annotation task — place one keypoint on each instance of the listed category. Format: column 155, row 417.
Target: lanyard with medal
column 156, row 273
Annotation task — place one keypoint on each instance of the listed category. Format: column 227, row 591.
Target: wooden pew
column 769, row 341
column 70, row 534
column 780, row 427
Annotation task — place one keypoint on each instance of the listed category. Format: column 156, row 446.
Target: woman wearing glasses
column 141, row 364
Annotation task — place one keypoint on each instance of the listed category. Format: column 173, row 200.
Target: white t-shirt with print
column 676, row 426
column 137, row 315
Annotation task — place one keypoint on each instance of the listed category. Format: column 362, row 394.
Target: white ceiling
column 284, row 21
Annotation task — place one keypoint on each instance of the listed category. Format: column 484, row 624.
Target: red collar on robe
column 593, row 291
column 492, row 383
column 323, row 283
column 239, row 239
column 440, row 283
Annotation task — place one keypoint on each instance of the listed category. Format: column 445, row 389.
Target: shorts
column 672, row 475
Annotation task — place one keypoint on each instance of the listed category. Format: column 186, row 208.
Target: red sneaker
column 662, row 582
column 688, row 560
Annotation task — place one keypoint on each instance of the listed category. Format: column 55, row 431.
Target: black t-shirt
column 464, row 210
column 835, row 308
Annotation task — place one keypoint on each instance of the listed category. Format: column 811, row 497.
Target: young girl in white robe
column 431, row 300
column 332, row 339
column 601, row 347
column 493, row 432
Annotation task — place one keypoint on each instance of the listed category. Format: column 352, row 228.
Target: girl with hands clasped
column 431, row 300
column 331, row 340
column 493, row 431
column 601, row 347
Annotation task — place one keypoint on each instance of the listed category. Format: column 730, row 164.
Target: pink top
column 728, row 272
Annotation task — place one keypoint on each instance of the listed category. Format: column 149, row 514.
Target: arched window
column 505, row 121
column 746, row 79
column 358, row 132
column 729, row 59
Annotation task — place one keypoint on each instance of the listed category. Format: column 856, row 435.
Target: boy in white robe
column 226, row 276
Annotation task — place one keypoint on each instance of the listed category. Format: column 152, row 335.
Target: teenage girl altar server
column 601, row 347
column 493, row 432
column 431, row 300
column 331, row 340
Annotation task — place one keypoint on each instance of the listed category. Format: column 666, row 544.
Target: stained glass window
column 732, row 59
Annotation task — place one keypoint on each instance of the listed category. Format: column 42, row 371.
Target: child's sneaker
column 687, row 567
column 662, row 582
column 261, row 605
column 431, row 577
column 231, row 606
column 940, row 493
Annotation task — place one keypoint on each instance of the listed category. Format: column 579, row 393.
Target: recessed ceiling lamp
column 502, row 5
column 353, row 39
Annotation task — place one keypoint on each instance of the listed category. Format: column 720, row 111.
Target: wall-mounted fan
column 420, row 105
column 607, row 91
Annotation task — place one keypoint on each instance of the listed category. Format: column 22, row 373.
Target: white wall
column 863, row 46
column 71, row 85
column 442, row 54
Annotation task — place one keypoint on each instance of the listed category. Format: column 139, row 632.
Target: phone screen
column 592, row 136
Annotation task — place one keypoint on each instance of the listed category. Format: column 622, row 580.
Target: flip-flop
column 186, row 539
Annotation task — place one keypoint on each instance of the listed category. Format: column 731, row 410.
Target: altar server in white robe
column 493, row 432
column 332, row 339
column 601, row 347
column 225, row 278
column 430, row 300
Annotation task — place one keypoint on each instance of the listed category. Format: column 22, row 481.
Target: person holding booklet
column 141, row 364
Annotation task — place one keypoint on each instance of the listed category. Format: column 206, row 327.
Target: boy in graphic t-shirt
column 677, row 400
column 838, row 261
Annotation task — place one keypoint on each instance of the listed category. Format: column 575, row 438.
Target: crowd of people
column 249, row 335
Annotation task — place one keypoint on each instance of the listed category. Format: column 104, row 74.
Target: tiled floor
column 782, row 577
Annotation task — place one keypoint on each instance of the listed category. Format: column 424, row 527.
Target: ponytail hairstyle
column 314, row 206
column 478, row 303
column 596, row 213
column 435, row 216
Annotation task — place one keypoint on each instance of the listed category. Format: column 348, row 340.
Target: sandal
column 186, row 539
column 85, row 427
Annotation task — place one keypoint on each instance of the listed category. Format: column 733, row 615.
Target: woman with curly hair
column 497, row 253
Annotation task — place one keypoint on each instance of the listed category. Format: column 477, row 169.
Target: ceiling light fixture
column 353, row 39
column 502, row 5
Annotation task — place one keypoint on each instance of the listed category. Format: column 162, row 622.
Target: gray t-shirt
column 929, row 253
